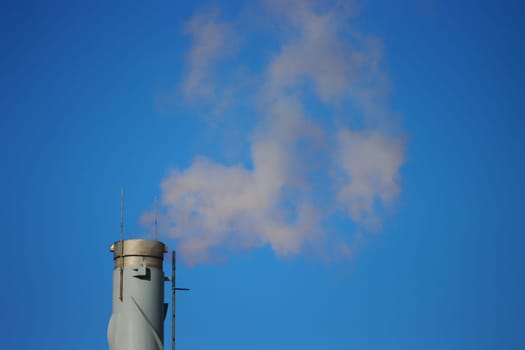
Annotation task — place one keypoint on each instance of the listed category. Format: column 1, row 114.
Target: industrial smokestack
column 137, row 321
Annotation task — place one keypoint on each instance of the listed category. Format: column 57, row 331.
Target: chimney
column 137, row 321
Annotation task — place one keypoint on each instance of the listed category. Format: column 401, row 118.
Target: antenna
column 121, row 241
column 156, row 233
column 173, row 259
column 173, row 290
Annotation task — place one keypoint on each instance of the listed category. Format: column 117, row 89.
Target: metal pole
column 156, row 232
column 173, row 289
column 121, row 242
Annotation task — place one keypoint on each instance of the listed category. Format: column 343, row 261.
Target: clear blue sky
column 92, row 98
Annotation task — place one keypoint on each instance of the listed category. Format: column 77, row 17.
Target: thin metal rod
column 156, row 220
column 121, row 242
column 173, row 290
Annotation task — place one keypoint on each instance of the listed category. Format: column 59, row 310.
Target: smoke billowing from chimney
column 324, row 148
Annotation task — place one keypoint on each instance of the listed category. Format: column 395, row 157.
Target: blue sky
column 416, row 245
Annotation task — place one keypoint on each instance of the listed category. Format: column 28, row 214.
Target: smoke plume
column 325, row 152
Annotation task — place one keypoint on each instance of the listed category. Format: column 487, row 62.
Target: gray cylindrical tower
column 137, row 321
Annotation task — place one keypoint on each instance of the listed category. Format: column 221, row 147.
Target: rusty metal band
column 135, row 261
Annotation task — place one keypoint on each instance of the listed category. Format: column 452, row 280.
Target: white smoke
column 308, row 163
column 213, row 40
